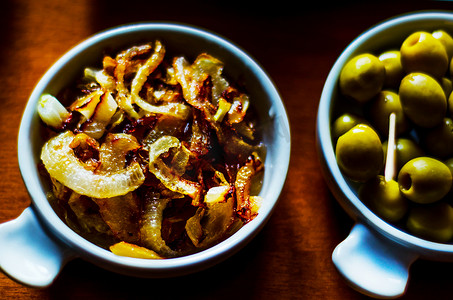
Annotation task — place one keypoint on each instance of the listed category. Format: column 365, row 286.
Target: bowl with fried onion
column 150, row 150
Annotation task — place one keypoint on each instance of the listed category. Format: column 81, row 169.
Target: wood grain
column 291, row 257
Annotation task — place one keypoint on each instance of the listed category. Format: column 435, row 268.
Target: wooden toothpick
column 390, row 162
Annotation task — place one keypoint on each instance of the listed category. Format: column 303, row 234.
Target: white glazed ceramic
column 36, row 245
column 375, row 258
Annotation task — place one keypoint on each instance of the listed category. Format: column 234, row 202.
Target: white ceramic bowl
column 376, row 256
column 37, row 244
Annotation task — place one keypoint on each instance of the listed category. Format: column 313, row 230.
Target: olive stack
column 414, row 83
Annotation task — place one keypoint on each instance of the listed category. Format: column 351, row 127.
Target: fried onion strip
column 166, row 175
column 61, row 163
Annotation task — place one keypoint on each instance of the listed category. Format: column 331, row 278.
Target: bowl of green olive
column 385, row 141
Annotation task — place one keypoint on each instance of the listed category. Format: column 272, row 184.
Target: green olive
column 446, row 40
column 359, row 153
column 450, row 104
column 384, row 198
column 424, row 180
column 421, row 52
column 385, row 103
column 449, row 163
column 345, row 122
column 423, row 99
column 447, row 86
column 432, row 222
column 438, row 141
column 393, row 69
column 451, row 68
column 406, row 149
column 362, row 77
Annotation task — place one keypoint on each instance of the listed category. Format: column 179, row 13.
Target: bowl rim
column 96, row 254
column 335, row 180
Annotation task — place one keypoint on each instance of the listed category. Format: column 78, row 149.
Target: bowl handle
column 372, row 264
column 28, row 254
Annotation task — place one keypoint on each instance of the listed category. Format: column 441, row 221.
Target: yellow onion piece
column 123, row 97
column 113, row 151
column 106, row 81
column 184, row 74
column 179, row 110
column 51, row 111
column 180, row 160
column 164, row 95
column 192, row 78
column 193, row 227
column 219, row 217
column 61, row 163
column 174, row 182
column 211, row 223
column 161, row 146
column 217, row 194
column 192, row 83
column 219, row 175
column 222, row 110
column 207, row 64
column 87, row 214
column 243, row 184
column 175, row 109
column 238, row 109
column 131, row 250
column 165, row 125
column 117, row 118
column 213, row 220
column 255, row 204
column 165, row 174
column 125, row 103
column 86, row 105
column 147, row 68
column 121, row 214
column 106, row 108
column 151, row 226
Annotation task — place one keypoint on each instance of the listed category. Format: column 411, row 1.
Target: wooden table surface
column 291, row 257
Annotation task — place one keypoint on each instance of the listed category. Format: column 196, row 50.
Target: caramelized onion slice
column 243, row 184
column 222, row 110
column 121, row 214
column 61, row 163
column 207, row 64
column 106, row 81
column 210, row 224
column 86, row 105
column 113, row 151
column 238, row 109
column 106, row 108
column 175, row 109
column 147, row 68
column 217, row 194
column 51, row 111
column 131, row 250
column 87, row 214
column 169, row 178
column 151, row 226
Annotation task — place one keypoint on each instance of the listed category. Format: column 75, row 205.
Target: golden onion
column 106, row 108
column 151, row 226
column 62, row 164
column 51, row 111
column 166, row 175
column 131, row 250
